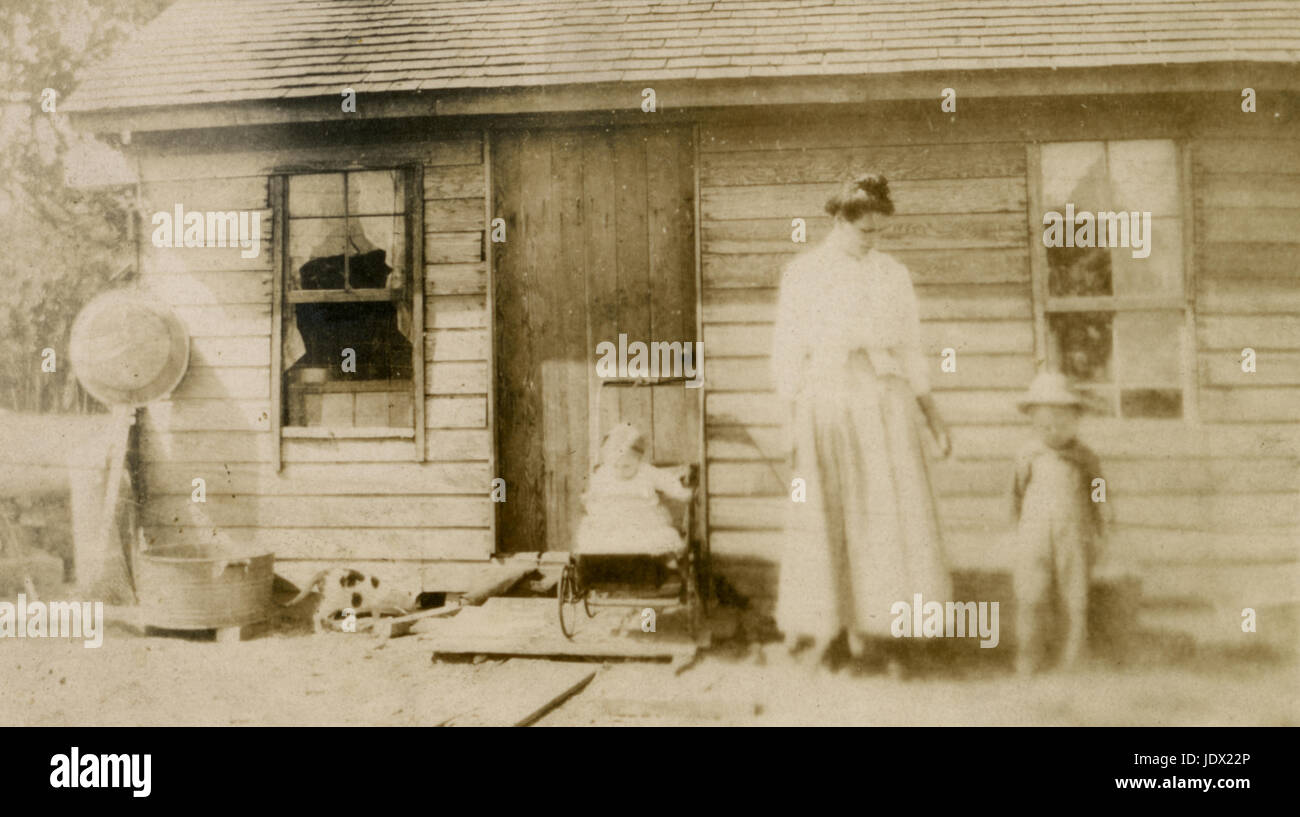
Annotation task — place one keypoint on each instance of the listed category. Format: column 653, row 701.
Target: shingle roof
column 205, row 51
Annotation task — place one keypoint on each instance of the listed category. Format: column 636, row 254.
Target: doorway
column 599, row 242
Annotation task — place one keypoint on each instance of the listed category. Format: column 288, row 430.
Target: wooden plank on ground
column 520, row 692
column 530, row 627
column 393, row 627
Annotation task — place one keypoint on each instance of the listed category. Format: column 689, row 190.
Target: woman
column 848, row 363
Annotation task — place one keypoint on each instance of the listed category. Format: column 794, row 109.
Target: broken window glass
column 348, row 350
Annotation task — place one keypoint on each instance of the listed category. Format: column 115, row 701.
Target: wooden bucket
column 191, row 587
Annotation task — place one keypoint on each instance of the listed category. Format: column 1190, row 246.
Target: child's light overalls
column 1058, row 527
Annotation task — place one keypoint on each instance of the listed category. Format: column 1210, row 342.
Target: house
column 520, row 181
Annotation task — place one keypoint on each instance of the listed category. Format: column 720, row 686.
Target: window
column 1113, row 300
column 350, row 305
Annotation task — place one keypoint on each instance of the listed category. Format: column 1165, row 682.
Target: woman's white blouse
column 832, row 304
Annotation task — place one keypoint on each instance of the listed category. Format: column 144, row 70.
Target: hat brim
column 169, row 374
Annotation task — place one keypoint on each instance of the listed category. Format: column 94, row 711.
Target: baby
column 623, row 511
column 1059, row 529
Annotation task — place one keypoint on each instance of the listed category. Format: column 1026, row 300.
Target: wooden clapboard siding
column 1222, row 492
column 320, row 479
column 1247, row 202
column 1193, row 502
column 960, row 228
column 1246, row 195
column 225, row 382
column 334, row 499
column 976, row 266
column 1219, row 369
column 210, row 288
column 336, row 544
column 1197, row 476
column 358, row 511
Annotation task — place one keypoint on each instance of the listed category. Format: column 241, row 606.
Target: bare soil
column 336, row 678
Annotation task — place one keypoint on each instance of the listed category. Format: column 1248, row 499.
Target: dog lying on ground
column 342, row 589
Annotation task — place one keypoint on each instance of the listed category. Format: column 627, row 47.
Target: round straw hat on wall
column 127, row 349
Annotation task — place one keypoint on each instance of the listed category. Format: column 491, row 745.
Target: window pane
column 1161, row 271
column 316, row 253
column 1099, row 400
column 1074, row 173
column 379, row 249
column 1144, row 176
column 369, row 328
column 1151, row 403
column 1150, row 347
column 316, row 194
column 375, row 192
column 1078, row 271
column 1081, row 344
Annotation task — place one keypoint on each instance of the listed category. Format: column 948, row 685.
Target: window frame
column 412, row 174
column 1046, row 305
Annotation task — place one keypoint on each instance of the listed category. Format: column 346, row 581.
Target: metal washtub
column 193, row 587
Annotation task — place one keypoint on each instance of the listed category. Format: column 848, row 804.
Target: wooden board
column 336, row 543
column 1236, row 332
column 254, row 156
column 1248, row 190
column 1260, row 404
column 1248, row 296
column 1243, row 259
column 924, row 232
column 973, row 371
column 896, row 162
column 935, row 302
column 940, row 267
column 530, row 627
column 357, row 511
column 1271, row 369
column 519, row 692
column 516, row 158
column 910, row 198
column 322, row 479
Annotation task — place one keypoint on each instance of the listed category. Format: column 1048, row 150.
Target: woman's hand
column 945, row 443
column 938, row 428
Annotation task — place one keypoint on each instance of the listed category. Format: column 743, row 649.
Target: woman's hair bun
column 867, row 193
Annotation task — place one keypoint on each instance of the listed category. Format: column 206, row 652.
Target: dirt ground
column 336, row 678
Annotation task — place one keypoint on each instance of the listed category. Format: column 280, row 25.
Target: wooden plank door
column 599, row 241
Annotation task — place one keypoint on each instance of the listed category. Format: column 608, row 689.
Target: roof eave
column 680, row 94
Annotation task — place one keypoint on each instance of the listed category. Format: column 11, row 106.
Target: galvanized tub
column 193, row 587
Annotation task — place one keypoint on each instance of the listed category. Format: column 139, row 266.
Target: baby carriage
column 629, row 576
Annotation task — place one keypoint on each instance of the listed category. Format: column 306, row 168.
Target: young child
column 623, row 514
column 1059, row 528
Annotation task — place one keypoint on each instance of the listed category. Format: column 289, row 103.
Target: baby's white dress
column 625, row 517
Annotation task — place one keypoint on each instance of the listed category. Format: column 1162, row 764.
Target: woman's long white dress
column 847, row 359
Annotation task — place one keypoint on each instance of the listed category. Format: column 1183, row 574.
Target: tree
column 61, row 245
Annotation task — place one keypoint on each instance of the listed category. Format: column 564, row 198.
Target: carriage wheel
column 586, row 604
column 567, row 596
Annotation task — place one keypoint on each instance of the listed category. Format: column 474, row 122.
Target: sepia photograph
column 661, row 363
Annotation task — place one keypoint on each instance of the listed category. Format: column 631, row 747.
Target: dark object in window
column 1078, row 271
column 1083, row 344
column 368, row 328
column 1167, row 403
column 366, row 271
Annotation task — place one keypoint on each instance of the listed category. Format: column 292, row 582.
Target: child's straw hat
column 1050, row 389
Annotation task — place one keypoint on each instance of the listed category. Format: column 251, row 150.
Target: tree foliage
column 61, row 244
